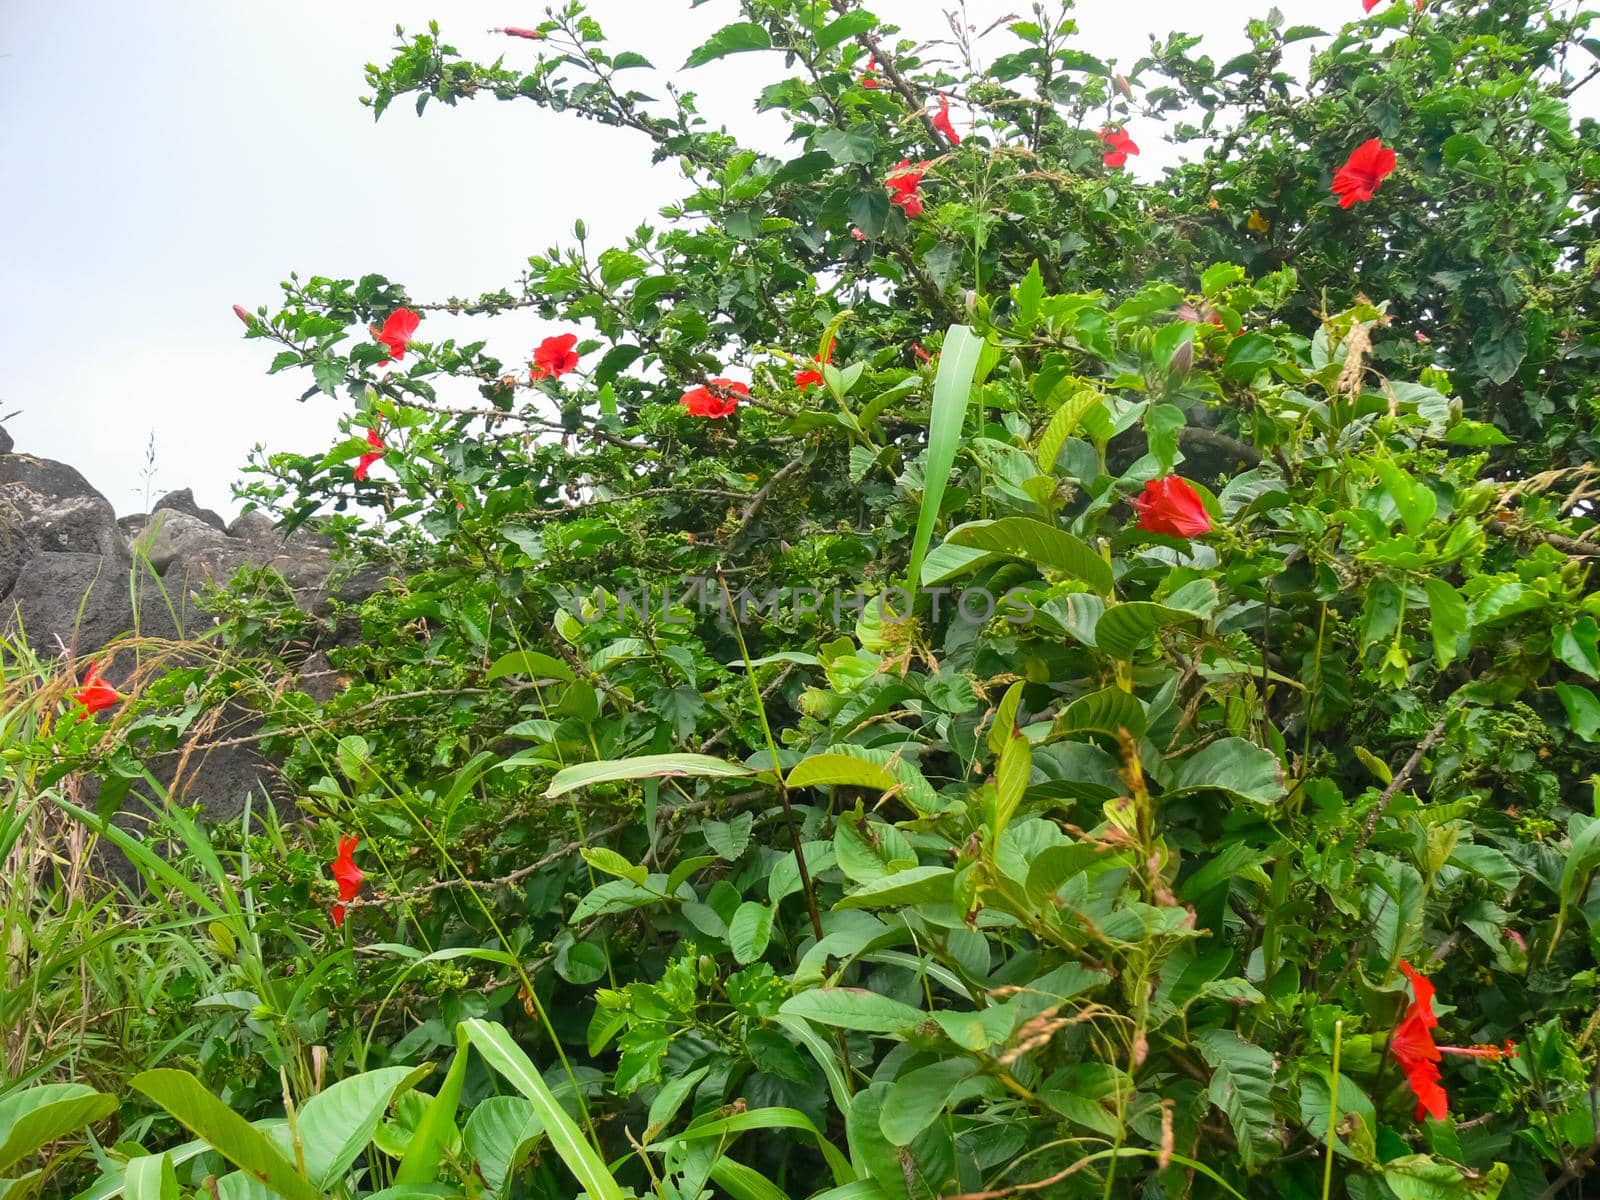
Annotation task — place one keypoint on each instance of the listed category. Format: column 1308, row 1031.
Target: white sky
column 166, row 159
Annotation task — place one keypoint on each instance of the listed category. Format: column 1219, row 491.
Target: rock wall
column 74, row 579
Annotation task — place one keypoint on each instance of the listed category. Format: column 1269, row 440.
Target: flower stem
column 1333, row 1108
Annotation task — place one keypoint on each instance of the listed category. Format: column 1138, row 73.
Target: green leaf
column 500, row 1052
column 1234, row 766
column 1026, row 296
column 1418, row 1177
column 329, row 374
column 750, row 931
column 34, row 1117
column 1241, row 1086
column 1064, row 424
column 151, row 1177
column 531, row 663
column 612, row 863
column 1499, row 357
column 915, row 885
column 1107, row 711
column 918, row 1097
column 1447, row 619
column 1578, row 645
column 855, row 1008
column 1219, row 277
column 229, row 1134
column 952, row 393
column 647, row 766
column 852, row 24
column 1583, row 710
column 336, row 1124
column 841, row 770
column 1123, row 628
column 1038, row 543
column 1247, row 355
column 730, row 39
column 500, row 1135
column 1475, row 434
column 1415, row 501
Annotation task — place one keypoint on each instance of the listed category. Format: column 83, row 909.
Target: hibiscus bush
column 946, row 669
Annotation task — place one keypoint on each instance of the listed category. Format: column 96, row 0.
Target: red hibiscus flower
column 1369, row 164
column 364, row 464
column 916, row 348
column 716, row 398
column 555, row 357
column 857, row 234
column 869, row 78
column 903, row 185
column 96, row 694
column 1414, row 1049
column 347, row 875
column 1118, row 146
column 809, row 377
column 397, row 331
column 240, row 312
column 1369, row 5
column 941, row 121
column 1171, row 506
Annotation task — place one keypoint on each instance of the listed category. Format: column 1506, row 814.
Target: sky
column 167, row 159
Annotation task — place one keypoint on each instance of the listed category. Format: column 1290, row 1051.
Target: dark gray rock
column 83, row 602
column 5, row 441
column 256, row 528
column 183, row 501
column 172, row 534
column 47, row 506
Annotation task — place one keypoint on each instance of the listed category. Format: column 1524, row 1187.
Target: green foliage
column 691, row 818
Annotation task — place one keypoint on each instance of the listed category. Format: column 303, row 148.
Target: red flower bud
column 239, row 311
column 533, row 35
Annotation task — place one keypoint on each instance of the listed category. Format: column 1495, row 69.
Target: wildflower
column 96, row 694
column 941, row 121
column 916, row 348
column 555, row 357
column 1422, row 338
column 1414, row 1049
column 903, row 185
column 397, row 331
column 857, row 234
column 346, row 874
column 869, row 78
column 809, row 377
column 1119, row 146
column 716, row 398
column 364, row 464
column 1258, row 223
column 1367, row 167
column 1170, row 505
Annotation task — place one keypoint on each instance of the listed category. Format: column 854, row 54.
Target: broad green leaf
column 1005, row 718
column 840, row 770
column 1447, row 619
column 229, row 1134
column 1064, row 424
column 1123, row 628
column 952, row 393
column 612, row 863
column 1107, row 711
column 916, row 885
column 750, row 931
column 505, row 1056
column 151, row 1177
column 721, row 1128
column 742, row 1182
column 1038, row 543
column 1415, row 500
column 1418, row 1177
column 1234, row 766
column 854, row 1008
column 1026, row 296
column 1578, row 645
column 436, row 1128
column 852, row 24
column 1583, row 710
column 500, row 1135
column 647, row 766
column 918, row 1097
column 336, row 1124
column 730, row 39
column 34, row 1117
column 531, row 663
column 1241, row 1086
